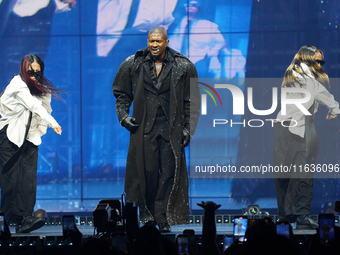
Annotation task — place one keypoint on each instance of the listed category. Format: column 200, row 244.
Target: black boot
column 29, row 223
column 306, row 222
column 164, row 227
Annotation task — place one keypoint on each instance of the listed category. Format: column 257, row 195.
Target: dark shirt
column 164, row 76
column 157, row 90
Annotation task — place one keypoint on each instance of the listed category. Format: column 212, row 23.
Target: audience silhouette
column 261, row 239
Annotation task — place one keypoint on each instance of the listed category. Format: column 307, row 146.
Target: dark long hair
column 40, row 86
column 306, row 55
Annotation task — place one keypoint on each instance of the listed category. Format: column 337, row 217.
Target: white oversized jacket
column 15, row 106
column 319, row 95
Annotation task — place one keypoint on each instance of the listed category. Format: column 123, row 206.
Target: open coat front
column 128, row 87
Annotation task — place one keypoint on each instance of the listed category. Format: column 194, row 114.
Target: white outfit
column 27, row 8
column 319, row 95
column 204, row 39
column 15, row 106
column 153, row 13
column 234, row 63
column 111, row 21
column 113, row 16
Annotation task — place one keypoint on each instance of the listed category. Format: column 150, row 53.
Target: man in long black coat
column 166, row 103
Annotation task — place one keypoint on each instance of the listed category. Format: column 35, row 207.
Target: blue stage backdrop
column 229, row 41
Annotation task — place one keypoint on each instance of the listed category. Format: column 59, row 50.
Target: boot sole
column 35, row 226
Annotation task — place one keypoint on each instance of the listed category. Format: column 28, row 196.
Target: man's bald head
column 159, row 30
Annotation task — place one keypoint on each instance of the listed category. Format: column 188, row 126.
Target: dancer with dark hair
column 25, row 111
column 296, row 140
column 165, row 114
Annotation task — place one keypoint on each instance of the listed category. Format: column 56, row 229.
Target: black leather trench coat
column 128, row 87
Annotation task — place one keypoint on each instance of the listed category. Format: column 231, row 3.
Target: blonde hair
column 306, row 55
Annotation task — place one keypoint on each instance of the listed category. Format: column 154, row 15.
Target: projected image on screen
column 118, row 18
column 82, row 46
column 203, row 34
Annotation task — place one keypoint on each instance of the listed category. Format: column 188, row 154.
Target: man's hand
column 331, row 116
column 57, row 129
column 130, row 124
column 185, row 138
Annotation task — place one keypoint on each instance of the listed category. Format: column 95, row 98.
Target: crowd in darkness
column 261, row 238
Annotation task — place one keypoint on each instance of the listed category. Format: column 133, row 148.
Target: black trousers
column 294, row 189
column 18, row 185
column 160, row 166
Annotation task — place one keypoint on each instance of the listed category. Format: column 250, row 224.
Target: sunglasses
column 37, row 74
column 321, row 62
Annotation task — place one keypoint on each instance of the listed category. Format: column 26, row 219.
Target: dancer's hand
column 331, row 116
column 209, row 204
column 58, row 130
